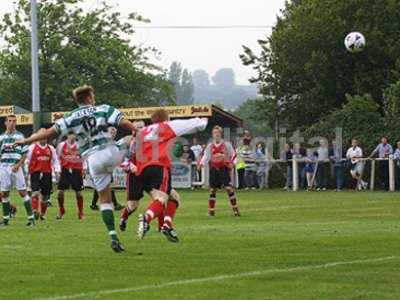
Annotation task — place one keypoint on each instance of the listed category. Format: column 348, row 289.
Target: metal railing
column 295, row 171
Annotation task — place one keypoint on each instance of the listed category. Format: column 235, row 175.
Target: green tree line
column 309, row 81
column 76, row 47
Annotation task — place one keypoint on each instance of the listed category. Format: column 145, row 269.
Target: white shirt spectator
column 354, row 154
column 323, row 153
column 197, row 149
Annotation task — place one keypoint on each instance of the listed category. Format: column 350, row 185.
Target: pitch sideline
column 89, row 295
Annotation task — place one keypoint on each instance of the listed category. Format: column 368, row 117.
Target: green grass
column 278, row 232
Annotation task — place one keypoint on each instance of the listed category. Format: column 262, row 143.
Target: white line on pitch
column 216, row 278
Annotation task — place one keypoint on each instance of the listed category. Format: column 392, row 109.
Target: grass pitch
column 285, row 246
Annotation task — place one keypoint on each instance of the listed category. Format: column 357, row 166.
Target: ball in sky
column 355, row 42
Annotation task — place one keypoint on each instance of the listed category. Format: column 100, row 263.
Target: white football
column 355, row 42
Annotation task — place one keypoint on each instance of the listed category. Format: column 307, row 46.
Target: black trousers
column 242, row 183
column 383, row 173
column 323, row 175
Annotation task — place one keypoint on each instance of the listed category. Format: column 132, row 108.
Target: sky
column 207, row 49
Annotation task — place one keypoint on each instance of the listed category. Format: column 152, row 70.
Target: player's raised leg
column 169, row 213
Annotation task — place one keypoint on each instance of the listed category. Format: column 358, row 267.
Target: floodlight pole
column 35, row 68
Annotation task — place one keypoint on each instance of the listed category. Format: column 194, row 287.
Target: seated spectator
column 309, row 167
column 354, row 154
column 250, row 170
column 383, row 150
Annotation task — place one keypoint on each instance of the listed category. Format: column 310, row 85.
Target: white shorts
column 9, row 179
column 357, row 168
column 101, row 164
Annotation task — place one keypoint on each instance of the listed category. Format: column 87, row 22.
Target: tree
column 304, row 71
column 182, row 81
column 359, row 117
column 392, row 111
column 76, row 48
column 224, row 78
column 187, row 88
column 201, row 79
column 252, row 119
column 174, row 77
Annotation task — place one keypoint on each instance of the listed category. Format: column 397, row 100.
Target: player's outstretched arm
column 128, row 125
column 43, row 134
column 188, row 126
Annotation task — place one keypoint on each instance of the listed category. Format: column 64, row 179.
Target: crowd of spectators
column 317, row 167
column 326, row 166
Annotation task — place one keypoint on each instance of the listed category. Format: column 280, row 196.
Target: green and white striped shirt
column 89, row 124
column 10, row 153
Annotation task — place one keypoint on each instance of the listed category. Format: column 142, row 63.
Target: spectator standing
column 302, row 154
column 396, row 157
column 309, row 167
column 288, row 156
column 196, row 148
column 383, row 150
column 247, row 138
column 250, row 170
column 323, row 166
column 187, row 156
column 336, row 155
column 241, row 166
column 355, row 154
column 261, row 165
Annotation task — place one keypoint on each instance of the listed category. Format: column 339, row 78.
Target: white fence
column 392, row 186
column 187, row 176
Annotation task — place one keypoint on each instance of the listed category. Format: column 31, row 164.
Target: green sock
column 108, row 219
column 28, row 208
column 6, row 209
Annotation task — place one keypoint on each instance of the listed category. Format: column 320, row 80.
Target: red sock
column 125, row 213
column 154, row 210
column 170, row 212
column 79, row 203
column 60, row 199
column 211, row 202
column 232, row 199
column 43, row 208
column 160, row 221
column 35, row 203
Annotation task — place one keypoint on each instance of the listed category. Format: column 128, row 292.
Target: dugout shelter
column 216, row 115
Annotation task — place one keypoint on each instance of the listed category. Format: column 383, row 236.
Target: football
column 355, row 42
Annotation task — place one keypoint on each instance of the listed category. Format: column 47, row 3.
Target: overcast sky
column 208, row 49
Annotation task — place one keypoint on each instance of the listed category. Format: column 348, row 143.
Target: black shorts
column 42, row 182
column 153, row 177
column 71, row 178
column 220, row 178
